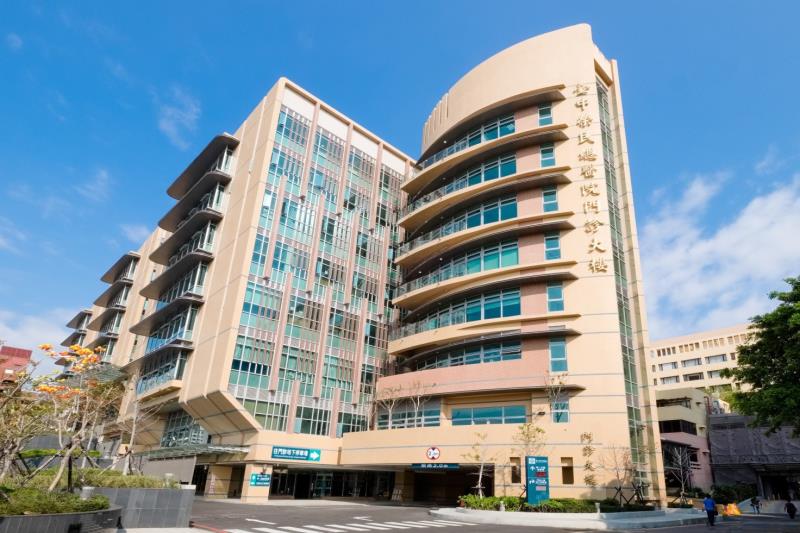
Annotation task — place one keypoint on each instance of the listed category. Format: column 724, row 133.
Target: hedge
column 47, row 452
column 553, row 505
column 37, row 501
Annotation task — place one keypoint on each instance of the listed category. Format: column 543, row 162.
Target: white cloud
column 698, row 278
column 770, row 163
column 28, row 331
column 97, row 188
column 14, row 41
column 136, row 233
column 10, row 236
column 179, row 116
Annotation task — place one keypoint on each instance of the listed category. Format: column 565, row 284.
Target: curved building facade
column 320, row 309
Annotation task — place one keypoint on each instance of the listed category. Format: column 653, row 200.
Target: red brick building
column 12, row 360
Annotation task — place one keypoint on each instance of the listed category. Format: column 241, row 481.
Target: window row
column 488, row 131
column 178, row 327
column 202, row 239
column 161, row 369
column 506, row 414
column 486, row 353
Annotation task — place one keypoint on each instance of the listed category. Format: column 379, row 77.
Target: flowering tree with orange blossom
column 77, row 405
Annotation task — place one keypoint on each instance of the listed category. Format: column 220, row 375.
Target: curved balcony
column 542, row 134
column 79, row 320
column 119, row 267
column 98, row 321
column 73, row 338
column 423, row 209
column 108, row 295
column 172, row 243
column 174, row 272
column 552, row 93
column 164, row 312
column 182, row 210
column 432, row 287
column 201, row 164
column 102, row 339
column 414, row 336
column 431, row 243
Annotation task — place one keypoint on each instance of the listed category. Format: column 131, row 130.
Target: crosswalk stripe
column 424, row 523
column 323, row 528
column 298, row 529
column 369, row 526
column 438, row 523
column 406, row 524
column 258, row 521
column 451, row 522
column 396, row 525
column 348, row 528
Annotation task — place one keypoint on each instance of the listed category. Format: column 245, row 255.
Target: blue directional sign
column 434, row 466
column 537, row 479
column 296, row 454
column 260, row 480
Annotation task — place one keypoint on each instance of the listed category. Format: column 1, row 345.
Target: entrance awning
column 192, row 449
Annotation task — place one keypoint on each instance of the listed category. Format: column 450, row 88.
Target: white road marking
column 398, row 525
column 424, row 523
column 453, row 523
column 298, row 529
column 362, row 518
column 348, row 528
column 264, row 529
column 323, row 528
column 260, row 521
column 370, row 526
column 406, row 524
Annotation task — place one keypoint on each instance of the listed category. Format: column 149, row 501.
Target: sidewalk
column 603, row 521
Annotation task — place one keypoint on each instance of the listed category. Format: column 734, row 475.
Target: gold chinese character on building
column 590, row 189
column 581, row 90
column 590, row 206
column 591, row 226
column 587, row 155
column 583, row 138
column 596, row 245
column 598, row 265
column 584, row 121
column 588, row 171
column 582, row 103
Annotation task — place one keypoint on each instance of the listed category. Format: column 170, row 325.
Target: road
column 325, row 516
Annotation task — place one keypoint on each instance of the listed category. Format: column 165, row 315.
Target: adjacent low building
column 695, row 360
column 12, row 361
column 321, row 314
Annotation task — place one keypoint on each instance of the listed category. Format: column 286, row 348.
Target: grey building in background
column 741, row 454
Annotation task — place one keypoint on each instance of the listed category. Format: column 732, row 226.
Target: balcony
column 97, row 323
column 172, row 244
column 543, row 134
column 76, row 337
column 426, row 207
column 202, row 164
column 175, row 271
column 458, row 234
column 80, row 319
column 164, row 311
column 109, row 295
column 194, row 200
column 418, row 335
column 436, row 285
column 121, row 268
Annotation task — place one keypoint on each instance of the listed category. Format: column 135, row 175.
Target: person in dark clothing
column 790, row 508
column 711, row 509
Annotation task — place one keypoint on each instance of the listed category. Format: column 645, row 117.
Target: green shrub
column 679, row 505
column 95, row 477
column 491, row 503
column 562, row 505
column 37, row 501
column 553, row 505
column 47, row 452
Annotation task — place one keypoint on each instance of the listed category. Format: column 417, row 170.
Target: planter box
column 152, row 507
column 89, row 522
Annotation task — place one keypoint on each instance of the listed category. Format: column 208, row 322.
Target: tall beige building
column 319, row 314
column 695, row 360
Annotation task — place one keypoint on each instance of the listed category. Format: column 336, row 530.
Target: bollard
column 502, row 506
column 86, row 492
column 597, row 506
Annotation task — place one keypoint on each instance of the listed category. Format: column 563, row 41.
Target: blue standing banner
column 537, row 479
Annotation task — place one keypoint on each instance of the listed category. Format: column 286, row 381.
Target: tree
column 679, row 466
column 769, row 365
column 479, row 453
column 617, row 460
column 386, row 400
column 418, row 393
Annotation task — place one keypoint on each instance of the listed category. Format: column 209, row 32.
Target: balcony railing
column 165, row 369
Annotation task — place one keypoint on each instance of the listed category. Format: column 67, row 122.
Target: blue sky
column 103, row 104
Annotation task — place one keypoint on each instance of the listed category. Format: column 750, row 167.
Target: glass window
column 508, row 209
column 491, row 258
column 491, row 213
column 548, row 155
column 545, row 114
column 552, row 246
column 474, row 262
column 558, row 355
column 508, row 165
column 473, row 309
column 560, row 411
column 511, row 306
column 506, row 125
column 491, row 306
column 509, row 255
column 549, row 199
column 555, row 296
column 491, row 171
column 490, row 132
column 474, row 218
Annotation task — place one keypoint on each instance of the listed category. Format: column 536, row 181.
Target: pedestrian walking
column 711, row 509
column 755, row 504
column 790, row 508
